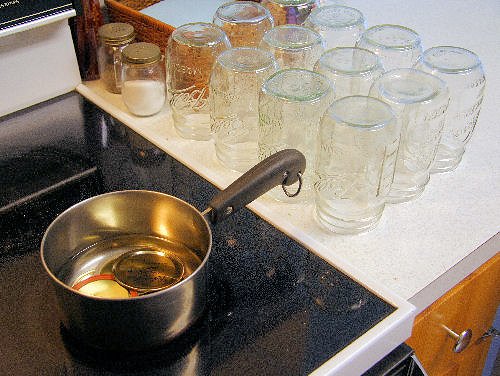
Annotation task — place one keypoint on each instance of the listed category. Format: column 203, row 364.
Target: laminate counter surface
column 422, row 248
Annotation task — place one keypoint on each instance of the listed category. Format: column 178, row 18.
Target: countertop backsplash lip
column 38, row 62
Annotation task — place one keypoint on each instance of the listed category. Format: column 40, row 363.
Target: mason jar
column 463, row 72
column 235, row 83
column 293, row 46
column 356, row 155
column 113, row 38
column 191, row 53
column 291, row 104
column 290, row 11
column 143, row 75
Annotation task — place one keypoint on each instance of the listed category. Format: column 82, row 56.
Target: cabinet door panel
column 469, row 305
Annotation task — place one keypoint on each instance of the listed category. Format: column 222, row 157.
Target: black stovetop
column 274, row 308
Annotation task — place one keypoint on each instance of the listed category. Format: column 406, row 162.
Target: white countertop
column 417, row 244
column 422, row 248
column 426, row 246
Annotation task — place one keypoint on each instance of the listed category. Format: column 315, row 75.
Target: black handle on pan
column 282, row 168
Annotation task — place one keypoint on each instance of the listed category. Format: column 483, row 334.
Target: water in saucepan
column 99, row 258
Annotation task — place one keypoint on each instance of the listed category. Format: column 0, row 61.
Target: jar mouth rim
column 386, row 113
column 437, row 58
column 263, row 13
column 411, row 39
column 370, row 61
column 295, row 94
column 320, row 17
column 192, row 34
column 409, row 86
column 246, row 59
column 276, row 38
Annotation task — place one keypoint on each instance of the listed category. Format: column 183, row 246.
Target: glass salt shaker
column 143, row 74
column 113, row 38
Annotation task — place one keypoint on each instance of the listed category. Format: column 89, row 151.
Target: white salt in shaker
column 143, row 86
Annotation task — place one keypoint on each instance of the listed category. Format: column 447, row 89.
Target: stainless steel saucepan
column 129, row 267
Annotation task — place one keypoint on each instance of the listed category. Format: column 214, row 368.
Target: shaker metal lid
column 146, row 270
column 141, row 53
column 116, row 33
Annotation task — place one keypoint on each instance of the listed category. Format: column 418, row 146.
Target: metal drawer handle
column 462, row 340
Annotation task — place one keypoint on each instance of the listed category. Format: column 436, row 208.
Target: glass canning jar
column 143, row 75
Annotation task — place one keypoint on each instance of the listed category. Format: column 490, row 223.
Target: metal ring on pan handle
column 283, row 185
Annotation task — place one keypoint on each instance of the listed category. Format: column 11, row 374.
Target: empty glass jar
column 143, row 85
column 191, row 53
column 462, row 71
column 396, row 45
column 293, row 46
column 244, row 22
column 340, row 26
column 235, row 83
column 291, row 104
column 290, row 11
column 355, row 161
column 420, row 101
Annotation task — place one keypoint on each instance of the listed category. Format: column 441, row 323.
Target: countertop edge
column 435, row 290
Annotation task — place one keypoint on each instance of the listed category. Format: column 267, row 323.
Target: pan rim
column 177, row 286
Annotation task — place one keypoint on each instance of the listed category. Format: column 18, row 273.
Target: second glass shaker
column 113, row 38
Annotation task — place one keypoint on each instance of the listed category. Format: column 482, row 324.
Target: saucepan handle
column 282, row 168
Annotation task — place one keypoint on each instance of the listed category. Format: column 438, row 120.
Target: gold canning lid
column 141, row 53
column 145, row 270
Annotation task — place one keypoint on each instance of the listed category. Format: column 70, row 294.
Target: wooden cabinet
column 469, row 305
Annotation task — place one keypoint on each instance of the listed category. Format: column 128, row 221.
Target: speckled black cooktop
column 273, row 307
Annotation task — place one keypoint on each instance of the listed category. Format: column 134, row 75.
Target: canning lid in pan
column 134, row 273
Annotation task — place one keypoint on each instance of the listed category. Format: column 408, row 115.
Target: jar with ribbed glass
column 143, row 74
column 113, row 38
column 291, row 104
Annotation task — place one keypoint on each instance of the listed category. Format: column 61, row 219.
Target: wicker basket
column 148, row 29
